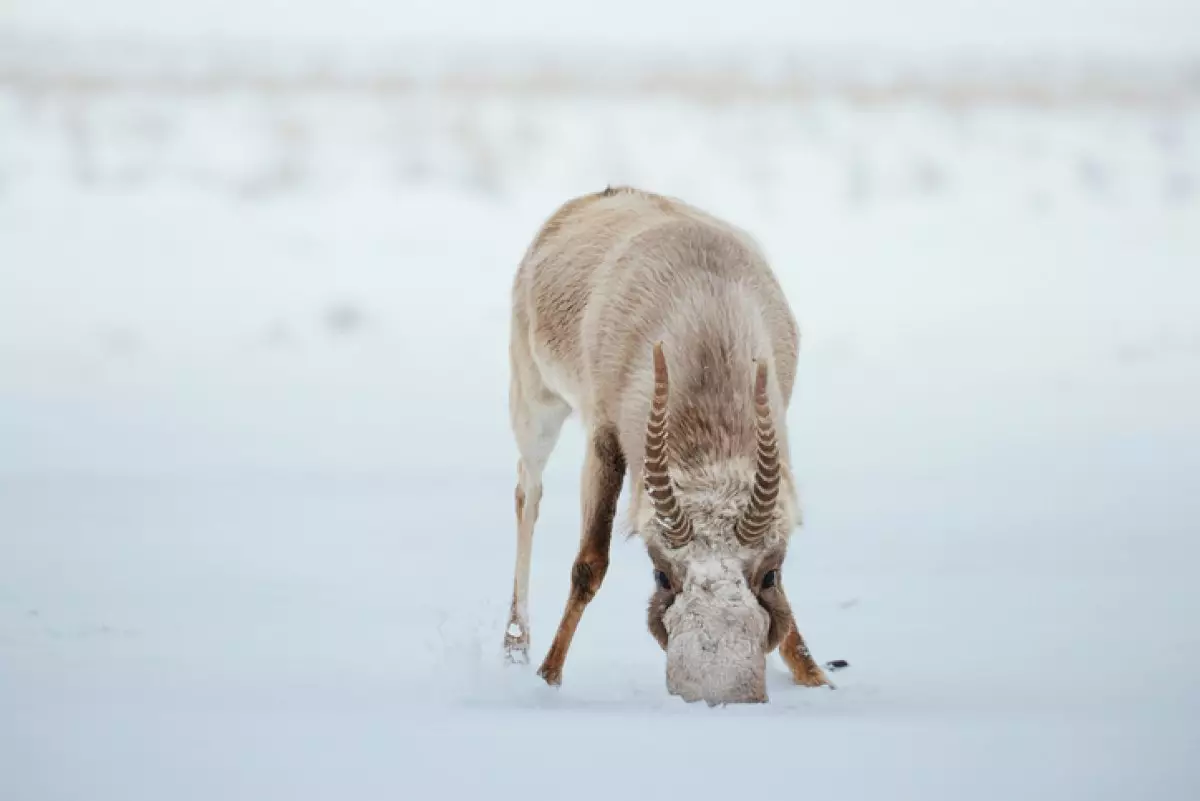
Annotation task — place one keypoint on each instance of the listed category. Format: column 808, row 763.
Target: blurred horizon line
column 57, row 61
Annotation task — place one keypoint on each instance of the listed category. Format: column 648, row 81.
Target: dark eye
column 769, row 578
column 660, row 578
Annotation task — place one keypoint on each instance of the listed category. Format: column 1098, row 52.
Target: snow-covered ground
column 235, row 563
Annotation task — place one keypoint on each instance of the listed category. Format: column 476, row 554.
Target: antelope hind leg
column 516, row 633
column 537, row 417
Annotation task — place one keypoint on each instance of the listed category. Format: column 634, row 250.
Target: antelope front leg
column 805, row 670
column 603, row 472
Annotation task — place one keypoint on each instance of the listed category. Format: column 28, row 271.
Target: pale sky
column 1154, row 27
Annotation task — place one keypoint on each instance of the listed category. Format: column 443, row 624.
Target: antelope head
column 717, row 547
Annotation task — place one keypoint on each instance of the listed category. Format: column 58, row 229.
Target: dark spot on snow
column 277, row 335
column 858, row 180
column 1179, row 188
column 1167, row 343
column 1093, row 174
column 119, row 341
column 1040, row 201
column 929, row 176
column 1168, row 134
column 1061, row 382
column 1133, row 354
column 345, row 319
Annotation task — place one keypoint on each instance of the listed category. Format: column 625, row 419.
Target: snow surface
column 256, row 533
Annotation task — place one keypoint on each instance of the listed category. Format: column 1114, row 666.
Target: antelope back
column 611, row 273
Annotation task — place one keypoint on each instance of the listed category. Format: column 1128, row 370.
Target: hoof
column 516, row 654
column 814, row 679
column 552, row 675
column 516, row 645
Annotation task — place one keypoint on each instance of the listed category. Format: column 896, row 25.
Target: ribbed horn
column 677, row 529
column 758, row 515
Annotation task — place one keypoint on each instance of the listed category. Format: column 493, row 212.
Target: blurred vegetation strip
column 61, row 64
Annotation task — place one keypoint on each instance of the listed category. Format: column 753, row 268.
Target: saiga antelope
column 668, row 333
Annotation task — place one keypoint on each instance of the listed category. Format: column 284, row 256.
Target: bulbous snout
column 716, row 647
column 719, row 680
